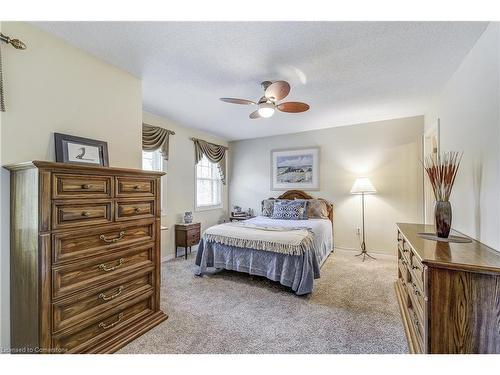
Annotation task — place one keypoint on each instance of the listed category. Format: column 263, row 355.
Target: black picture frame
column 62, row 142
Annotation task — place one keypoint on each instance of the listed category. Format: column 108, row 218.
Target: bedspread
column 295, row 271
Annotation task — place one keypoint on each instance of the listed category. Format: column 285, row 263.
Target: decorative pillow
column 267, row 207
column 306, row 207
column 289, row 210
column 316, row 208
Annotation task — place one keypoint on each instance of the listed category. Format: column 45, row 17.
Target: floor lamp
column 363, row 186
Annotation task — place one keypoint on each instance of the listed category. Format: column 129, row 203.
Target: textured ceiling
column 349, row 72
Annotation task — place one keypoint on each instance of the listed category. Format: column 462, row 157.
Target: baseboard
column 166, row 259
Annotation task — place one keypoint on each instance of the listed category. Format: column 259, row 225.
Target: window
column 208, row 185
column 153, row 161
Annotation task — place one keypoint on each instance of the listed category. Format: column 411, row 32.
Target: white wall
column 54, row 87
column 179, row 188
column 387, row 151
column 4, row 259
column 468, row 109
column 4, row 247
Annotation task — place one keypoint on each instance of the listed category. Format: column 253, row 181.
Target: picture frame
column 296, row 168
column 78, row 150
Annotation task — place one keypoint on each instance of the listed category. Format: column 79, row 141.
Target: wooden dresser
column 448, row 294
column 85, row 257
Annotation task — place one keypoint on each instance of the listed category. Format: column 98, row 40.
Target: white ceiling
column 349, row 72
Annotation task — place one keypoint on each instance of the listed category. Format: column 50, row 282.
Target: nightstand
column 240, row 218
column 187, row 235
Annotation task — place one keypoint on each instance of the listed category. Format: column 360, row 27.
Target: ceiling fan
column 267, row 105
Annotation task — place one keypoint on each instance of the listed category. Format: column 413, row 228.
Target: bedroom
column 238, row 197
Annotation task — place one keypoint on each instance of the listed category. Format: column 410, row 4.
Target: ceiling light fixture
column 268, row 104
column 266, row 110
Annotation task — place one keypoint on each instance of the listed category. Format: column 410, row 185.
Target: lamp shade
column 363, row 185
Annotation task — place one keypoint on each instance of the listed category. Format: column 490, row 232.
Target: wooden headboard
column 299, row 194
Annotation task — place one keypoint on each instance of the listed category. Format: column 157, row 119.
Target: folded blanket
column 291, row 241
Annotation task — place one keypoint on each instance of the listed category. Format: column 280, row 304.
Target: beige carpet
column 352, row 309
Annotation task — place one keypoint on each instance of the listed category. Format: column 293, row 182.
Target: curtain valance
column 154, row 138
column 2, row 103
column 214, row 153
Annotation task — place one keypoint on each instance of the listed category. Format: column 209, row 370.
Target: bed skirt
column 295, row 271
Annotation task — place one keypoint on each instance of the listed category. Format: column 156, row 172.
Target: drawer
column 417, row 268
column 193, row 235
column 79, row 213
column 95, row 302
column 416, row 296
column 131, row 210
column 404, row 292
column 93, row 331
column 188, row 227
column 405, row 250
column 193, row 241
column 85, row 274
column 93, row 242
column 400, row 238
column 135, row 187
column 81, row 186
column 403, row 270
column 418, row 328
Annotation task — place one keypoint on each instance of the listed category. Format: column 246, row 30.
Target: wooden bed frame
column 299, row 194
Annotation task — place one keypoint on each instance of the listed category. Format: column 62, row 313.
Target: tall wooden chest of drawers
column 448, row 294
column 85, row 257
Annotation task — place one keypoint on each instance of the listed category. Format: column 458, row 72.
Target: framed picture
column 78, row 150
column 295, row 169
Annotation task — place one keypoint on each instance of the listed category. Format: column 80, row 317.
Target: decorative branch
column 16, row 43
column 442, row 170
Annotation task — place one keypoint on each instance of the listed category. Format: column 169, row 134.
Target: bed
column 295, row 271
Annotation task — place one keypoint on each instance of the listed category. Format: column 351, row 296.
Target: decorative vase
column 442, row 212
column 188, row 217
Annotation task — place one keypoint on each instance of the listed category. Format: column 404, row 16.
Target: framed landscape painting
column 295, row 169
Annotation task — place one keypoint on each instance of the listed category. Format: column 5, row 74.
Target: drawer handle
column 85, row 213
column 137, row 209
column 103, row 267
column 85, row 186
column 137, row 187
column 415, row 268
column 415, row 319
column 112, row 240
column 113, row 296
column 415, row 291
column 104, row 326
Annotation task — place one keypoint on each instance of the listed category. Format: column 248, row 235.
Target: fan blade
column 277, row 90
column 254, row 115
column 237, row 101
column 293, row 107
